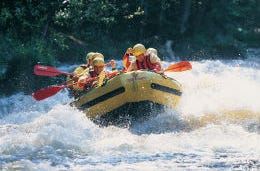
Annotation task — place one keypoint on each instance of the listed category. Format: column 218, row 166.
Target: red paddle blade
column 47, row 71
column 179, row 67
column 47, row 92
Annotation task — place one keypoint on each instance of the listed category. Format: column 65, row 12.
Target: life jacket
column 146, row 63
column 83, row 80
column 92, row 74
column 75, row 89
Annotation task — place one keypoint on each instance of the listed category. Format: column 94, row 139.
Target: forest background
column 64, row 31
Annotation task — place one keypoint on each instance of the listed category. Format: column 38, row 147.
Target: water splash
column 216, row 126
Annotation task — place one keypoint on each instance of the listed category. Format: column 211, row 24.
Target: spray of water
column 216, row 125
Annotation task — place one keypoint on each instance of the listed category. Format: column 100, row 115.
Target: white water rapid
column 215, row 127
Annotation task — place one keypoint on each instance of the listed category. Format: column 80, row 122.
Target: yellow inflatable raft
column 130, row 95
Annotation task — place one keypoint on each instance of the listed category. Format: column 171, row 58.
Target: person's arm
column 126, row 58
column 83, row 80
column 79, row 71
column 132, row 66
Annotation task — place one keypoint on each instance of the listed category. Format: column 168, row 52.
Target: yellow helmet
column 89, row 57
column 98, row 61
column 138, row 49
column 152, row 50
column 98, row 55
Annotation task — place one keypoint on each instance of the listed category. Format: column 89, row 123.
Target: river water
column 215, row 127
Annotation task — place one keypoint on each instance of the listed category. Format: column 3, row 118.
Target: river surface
column 215, row 127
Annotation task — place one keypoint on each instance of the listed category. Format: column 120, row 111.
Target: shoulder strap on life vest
column 148, row 61
column 139, row 64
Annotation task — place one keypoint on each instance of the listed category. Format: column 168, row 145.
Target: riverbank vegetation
column 57, row 31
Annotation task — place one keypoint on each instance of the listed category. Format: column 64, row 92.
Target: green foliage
column 66, row 30
column 20, row 58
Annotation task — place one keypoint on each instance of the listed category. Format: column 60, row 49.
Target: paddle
column 51, row 71
column 52, row 90
column 48, row 71
column 49, row 91
column 179, row 67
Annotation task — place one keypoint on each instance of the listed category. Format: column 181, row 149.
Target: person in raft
column 85, row 82
column 151, row 50
column 80, row 70
column 83, row 69
column 143, row 59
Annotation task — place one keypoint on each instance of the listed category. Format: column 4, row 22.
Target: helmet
column 98, row 55
column 138, row 49
column 152, row 50
column 98, row 61
column 89, row 57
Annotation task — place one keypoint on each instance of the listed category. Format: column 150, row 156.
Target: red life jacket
column 146, row 64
